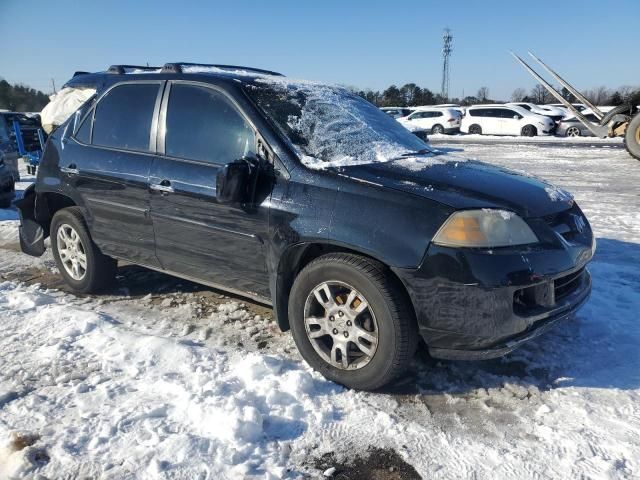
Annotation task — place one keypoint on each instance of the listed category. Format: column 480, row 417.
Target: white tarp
column 62, row 105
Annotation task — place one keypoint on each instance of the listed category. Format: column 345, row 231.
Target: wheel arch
column 36, row 210
column 297, row 256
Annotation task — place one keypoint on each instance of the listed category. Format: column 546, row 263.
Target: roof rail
column 122, row 69
column 178, row 67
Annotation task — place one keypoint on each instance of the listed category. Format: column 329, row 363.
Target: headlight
column 484, row 228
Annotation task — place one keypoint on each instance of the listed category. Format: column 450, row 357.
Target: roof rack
column 122, row 69
column 178, row 67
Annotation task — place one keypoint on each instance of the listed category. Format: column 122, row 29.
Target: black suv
column 309, row 198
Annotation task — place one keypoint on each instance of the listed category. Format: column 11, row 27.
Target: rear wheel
column 352, row 321
column 437, row 129
column 84, row 268
column 632, row 137
column 529, row 131
column 572, row 132
column 475, row 130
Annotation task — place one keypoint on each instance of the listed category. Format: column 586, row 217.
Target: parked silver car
column 572, row 127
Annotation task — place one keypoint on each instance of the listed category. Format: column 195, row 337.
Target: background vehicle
column 578, row 106
column 555, row 113
column 505, row 120
column 7, row 184
column 397, row 112
column 621, row 121
column 434, row 120
column 8, row 147
column 572, row 127
column 453, row 106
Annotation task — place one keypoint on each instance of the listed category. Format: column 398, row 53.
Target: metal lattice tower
column 447, row 39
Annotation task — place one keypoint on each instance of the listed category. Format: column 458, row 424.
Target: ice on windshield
column 330, row 126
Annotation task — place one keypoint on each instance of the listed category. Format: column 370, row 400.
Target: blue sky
column 367, row 44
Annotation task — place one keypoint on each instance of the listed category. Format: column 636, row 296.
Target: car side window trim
column 162, row 122
column 154, row 119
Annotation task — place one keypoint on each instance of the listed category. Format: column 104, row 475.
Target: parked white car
column 397, row 112
column 434, row 120
column 556, row 113
column 453, row 106
column 505, row 120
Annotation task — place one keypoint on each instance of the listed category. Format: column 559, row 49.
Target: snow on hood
column 329, row 126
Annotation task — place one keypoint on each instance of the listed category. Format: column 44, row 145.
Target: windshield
column 329, row 126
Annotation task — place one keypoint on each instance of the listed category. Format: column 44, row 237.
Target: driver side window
column 202, row 124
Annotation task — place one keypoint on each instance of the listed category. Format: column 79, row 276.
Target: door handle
column 71, row 169
column 164, row 186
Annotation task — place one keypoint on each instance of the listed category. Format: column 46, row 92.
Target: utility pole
column 447, row 41
column 53, row 83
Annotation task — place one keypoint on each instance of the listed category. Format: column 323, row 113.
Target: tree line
column 411, row 95
column 20, row 98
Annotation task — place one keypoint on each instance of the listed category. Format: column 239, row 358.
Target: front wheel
column 352, row 321
column 632, row 137
column 84, row 268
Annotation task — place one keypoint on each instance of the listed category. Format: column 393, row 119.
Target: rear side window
column 437, row 114
column 123, row 117
column 202, row 124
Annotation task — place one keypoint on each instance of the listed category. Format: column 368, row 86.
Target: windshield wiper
column 419, row 153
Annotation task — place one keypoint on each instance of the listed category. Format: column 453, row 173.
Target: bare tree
column 539, row 95
column 483, row 94
column 518, row 95
column 598, row 95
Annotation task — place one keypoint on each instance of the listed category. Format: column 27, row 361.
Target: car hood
column 464, row 184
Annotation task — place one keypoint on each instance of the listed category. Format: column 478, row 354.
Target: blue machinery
column 32, row 157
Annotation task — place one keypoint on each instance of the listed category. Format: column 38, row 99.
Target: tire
column 620, row 109
column 572, row 132
column 387, row 316
column 632, row 137
column 99, row 269
column 437, row 129
column 475, row 129
column 528, row 131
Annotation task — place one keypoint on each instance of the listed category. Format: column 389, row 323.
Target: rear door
column 510, row 121
column 108, row 163
column 201, row 130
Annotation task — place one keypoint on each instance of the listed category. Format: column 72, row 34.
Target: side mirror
column 232, row 182
column 517, row 117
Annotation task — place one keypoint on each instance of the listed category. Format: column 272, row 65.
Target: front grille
column 568, row 284
column 570, row 224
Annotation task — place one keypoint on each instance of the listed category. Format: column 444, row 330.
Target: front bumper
column 479, row 304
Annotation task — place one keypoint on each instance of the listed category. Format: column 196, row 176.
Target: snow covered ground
column 160, row 378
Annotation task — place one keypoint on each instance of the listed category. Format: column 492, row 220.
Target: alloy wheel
column 573, row 132
column 72, row 252
column 341, row 325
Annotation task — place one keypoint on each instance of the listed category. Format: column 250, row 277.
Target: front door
column 196, row 236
